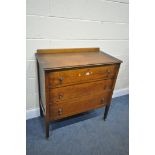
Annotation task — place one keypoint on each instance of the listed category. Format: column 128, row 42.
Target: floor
column 84, row 134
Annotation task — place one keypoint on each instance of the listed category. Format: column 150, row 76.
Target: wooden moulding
column 67, row 50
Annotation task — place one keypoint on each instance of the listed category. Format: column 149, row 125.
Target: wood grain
column 77, row 59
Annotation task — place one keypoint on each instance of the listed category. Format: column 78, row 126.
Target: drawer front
column 68, row 77
column 81, row 105
column 86, row 90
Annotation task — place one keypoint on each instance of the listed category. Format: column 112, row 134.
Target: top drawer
column 73, row 76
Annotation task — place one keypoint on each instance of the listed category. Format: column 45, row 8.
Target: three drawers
column 75, row 91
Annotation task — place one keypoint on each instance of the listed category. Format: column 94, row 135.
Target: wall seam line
column 73, row 39
column 115, row 1
column 86, row 20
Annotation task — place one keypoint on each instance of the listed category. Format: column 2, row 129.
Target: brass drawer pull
column 60, row 96
column 60, row 111
column 108, row 71
column 61, row 79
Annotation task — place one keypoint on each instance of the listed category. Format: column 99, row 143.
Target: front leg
column 47, row 128
column 41, row 110
column 106, row 111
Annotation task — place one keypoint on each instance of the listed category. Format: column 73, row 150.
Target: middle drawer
column 79, row 91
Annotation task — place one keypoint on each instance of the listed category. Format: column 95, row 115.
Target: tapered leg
column 47, row 128
column 106, row 112
column 41, row 111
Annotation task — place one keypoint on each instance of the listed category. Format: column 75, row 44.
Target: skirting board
column 36, row 112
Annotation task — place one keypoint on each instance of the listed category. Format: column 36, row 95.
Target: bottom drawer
column 78, row 106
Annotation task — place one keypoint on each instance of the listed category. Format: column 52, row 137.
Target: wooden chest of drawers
column 72, row 81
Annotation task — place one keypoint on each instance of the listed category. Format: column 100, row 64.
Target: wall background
column 76, row 23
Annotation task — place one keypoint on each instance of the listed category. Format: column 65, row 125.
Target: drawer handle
column 60, row 111
column 60, row 96
column 61, row 79
column 108, row 71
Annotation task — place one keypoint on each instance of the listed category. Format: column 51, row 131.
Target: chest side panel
column 42, row 87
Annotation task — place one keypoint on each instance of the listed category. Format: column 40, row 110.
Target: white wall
column 76, row 23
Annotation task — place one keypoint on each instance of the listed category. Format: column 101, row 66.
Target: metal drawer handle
column 108, row 71
column 61, row 79
column 60, row 96
column 60, row 111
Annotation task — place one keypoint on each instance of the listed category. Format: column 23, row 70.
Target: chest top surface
column 53, row 59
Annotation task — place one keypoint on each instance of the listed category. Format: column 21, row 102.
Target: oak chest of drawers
column 72, row 81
